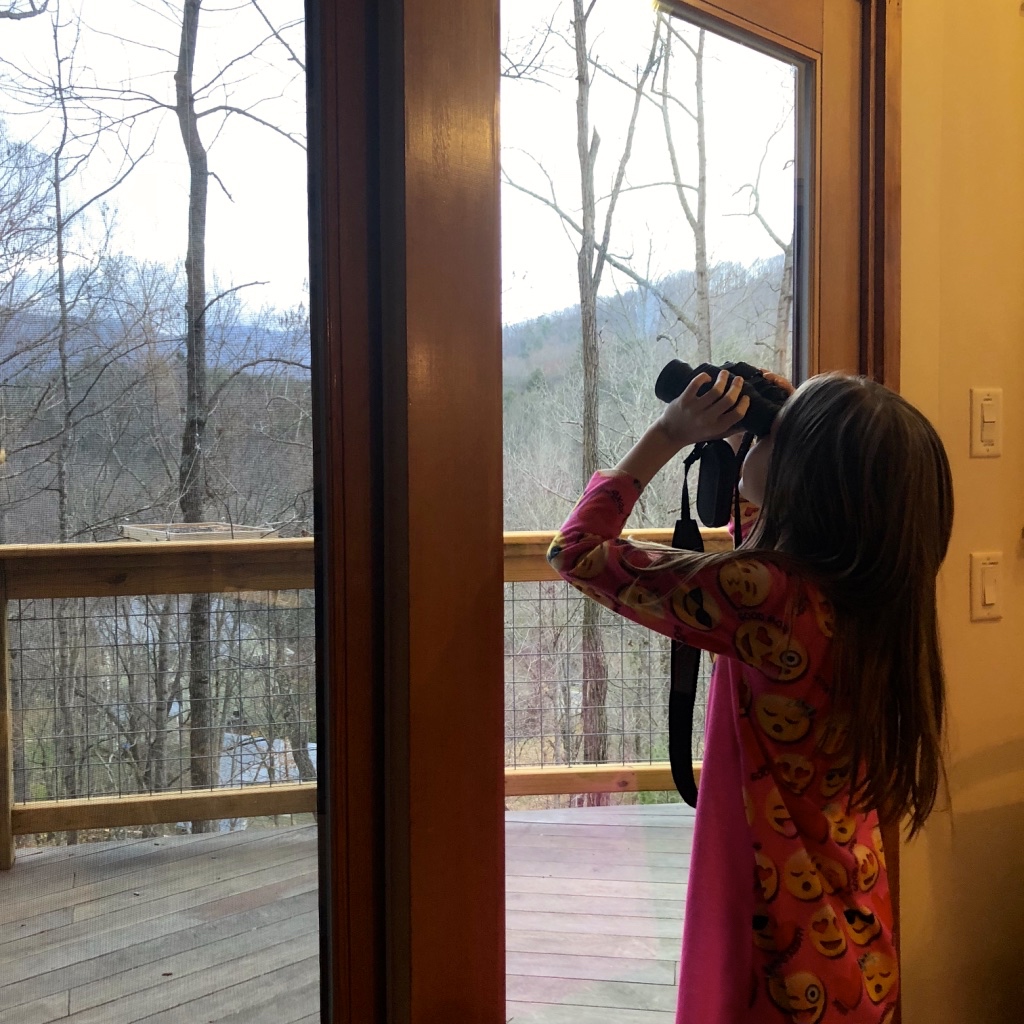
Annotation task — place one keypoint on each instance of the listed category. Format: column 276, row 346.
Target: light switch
column 986, row 422
column 986, row 568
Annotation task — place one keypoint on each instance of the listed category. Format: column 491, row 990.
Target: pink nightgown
column 788, row 913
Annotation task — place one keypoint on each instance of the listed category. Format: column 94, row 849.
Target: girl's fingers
column 696, row 383
column 779, row 380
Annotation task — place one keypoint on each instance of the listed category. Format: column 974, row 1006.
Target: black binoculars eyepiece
column 765, row 398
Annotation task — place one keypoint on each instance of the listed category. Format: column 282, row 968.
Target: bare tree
column 15, row 11
column 779, row 349
column 593, row 254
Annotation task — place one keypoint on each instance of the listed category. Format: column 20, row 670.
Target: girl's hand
column 778, row 380
column 687, row 420
column 691, row 417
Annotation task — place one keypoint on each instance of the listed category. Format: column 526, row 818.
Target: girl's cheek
column 755, row 468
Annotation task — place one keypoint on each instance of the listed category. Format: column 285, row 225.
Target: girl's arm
column 679, row 594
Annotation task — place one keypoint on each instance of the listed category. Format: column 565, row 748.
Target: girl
column 826, row 703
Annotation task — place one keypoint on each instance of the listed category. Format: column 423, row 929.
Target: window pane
column 691, row 138
column 154, row 388
column 646, row 216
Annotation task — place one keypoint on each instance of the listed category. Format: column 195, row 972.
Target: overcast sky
column 257, row 226
column 748, row 98
column 257, row 218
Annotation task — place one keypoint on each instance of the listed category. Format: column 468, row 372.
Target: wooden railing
column 137, row 569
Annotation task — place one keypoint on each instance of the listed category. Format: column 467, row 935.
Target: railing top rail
column 148, row 549
column 129, row 568
column 133, row 568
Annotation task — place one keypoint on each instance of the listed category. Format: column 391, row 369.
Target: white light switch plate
column 986, row 585
column 986, row 423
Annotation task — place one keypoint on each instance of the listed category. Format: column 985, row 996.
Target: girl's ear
column 754, row 472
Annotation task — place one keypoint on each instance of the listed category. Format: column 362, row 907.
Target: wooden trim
column 6, row 744
column 597, row 778
column 162, row 808
column 796, row 27
column 129, row 569
column 836, row 242
column 301, row 798
column 444, row 496
column 881, row 185
column 344, row 157
column 250, row 569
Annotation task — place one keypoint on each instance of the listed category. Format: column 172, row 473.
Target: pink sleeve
column 707, row 606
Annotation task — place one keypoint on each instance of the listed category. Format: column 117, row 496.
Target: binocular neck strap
column 687, row 536
column 684, row 666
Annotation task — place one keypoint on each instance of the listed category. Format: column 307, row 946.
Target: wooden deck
column 224, row 927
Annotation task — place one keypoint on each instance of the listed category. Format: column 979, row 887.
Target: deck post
column 6, row 740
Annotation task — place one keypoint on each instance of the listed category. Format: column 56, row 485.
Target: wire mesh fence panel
column 544, row 682
column 109, row 694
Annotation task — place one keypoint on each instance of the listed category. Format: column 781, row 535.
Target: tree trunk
column 156, row 768
column 595, row 670
column 700, row 240
column 64, row 683
column 700, row 325
column 783, row 317
column 204, row 745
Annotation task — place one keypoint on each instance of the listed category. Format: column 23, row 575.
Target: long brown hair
column 859, row 494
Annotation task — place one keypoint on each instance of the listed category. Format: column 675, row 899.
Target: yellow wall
column 963, row 325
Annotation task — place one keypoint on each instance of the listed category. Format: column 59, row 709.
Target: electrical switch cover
column 986, row 569
column 986, row 422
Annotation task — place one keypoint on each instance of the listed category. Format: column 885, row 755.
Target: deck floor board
column 223, row 926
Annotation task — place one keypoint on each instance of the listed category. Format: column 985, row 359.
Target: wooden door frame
column 405, row 310
column 403, row 182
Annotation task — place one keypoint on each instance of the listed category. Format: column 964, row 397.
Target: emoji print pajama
column 788, row 911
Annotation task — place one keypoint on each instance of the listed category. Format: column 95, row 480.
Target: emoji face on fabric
column 587, row 565
column 841, row 826
column 795, row 772
column 781, row 718
column 801, row 878
column 834, row 877
column 880, row 974
column 876, row 842
column 778, row 815
column 767, row 875
column 643, row 601
column 557, row 554
column 746, row 583
column 834, row 779
column 769, row 934
column 801, row 995
column 595, row 595
column 695, row 607
column 826, row 935
column 862, row 924
column 771, row 650
column 867, row 867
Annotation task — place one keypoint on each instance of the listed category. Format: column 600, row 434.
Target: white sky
column 261, row 232
column 747, row 96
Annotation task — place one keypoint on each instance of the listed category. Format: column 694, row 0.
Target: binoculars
column 765, row 398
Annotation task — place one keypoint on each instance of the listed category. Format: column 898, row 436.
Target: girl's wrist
column 655, row 449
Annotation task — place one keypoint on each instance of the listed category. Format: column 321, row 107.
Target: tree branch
column 228, row 109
